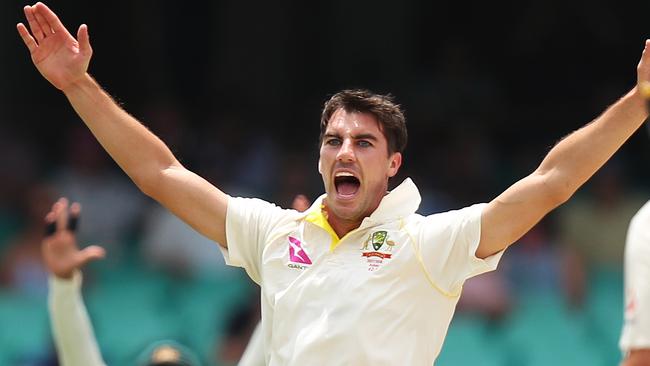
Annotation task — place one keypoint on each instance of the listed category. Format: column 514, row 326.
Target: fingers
column 84, row 40
column 51, row 218
column 42, row 22
column 60, row 252
column 33, row 24
column 88, row 254
column 50, row 224
column 49, row 17
column 73, row 221
column 27, row 38
column 61, row 212
column 59, row 219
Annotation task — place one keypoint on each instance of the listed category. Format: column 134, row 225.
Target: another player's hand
column 300, row 203
column 60, row 251
column 58, row 56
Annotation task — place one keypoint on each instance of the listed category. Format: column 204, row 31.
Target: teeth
column 344, row 174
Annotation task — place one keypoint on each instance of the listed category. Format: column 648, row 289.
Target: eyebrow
column 363, row 136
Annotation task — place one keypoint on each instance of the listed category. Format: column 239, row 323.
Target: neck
column 341, row 226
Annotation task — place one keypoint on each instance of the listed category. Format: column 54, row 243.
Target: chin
column 347, row 213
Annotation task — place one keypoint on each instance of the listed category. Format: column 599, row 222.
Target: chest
column 307, row 261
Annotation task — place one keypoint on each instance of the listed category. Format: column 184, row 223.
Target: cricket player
column 359, row 278
column 635, row 338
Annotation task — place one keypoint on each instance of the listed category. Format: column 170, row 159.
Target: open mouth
column 346, row 185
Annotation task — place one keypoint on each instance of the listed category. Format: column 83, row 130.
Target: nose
column 346, row 152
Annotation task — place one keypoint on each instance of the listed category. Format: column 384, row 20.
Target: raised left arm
column 566, row 167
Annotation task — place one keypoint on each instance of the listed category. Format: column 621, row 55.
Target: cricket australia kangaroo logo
column 378, row 239
column 381, row 252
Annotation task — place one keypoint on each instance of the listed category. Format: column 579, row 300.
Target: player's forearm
column 134, row 148
column 578, row 156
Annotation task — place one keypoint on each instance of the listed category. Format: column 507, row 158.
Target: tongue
column 347, row 188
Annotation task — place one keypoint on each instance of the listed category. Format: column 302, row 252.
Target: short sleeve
column 249, row 222
column 448, row 243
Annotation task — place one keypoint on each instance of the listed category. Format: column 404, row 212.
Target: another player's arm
column 63, row 61
column 566, row 167
column 71, row 327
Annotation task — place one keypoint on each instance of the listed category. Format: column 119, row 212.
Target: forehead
column 344, row 122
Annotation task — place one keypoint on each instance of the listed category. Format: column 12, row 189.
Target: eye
column 333, row 142
column 363, row 143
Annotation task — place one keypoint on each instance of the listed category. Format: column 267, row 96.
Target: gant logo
column 296, row 253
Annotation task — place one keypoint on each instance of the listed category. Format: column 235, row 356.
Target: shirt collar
column 402, row 201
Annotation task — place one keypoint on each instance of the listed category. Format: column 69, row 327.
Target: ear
column 394, row 162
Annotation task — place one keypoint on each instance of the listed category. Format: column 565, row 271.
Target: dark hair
column 389, row 115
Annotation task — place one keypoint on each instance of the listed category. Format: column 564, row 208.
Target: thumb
column 84, row 40
column 88, row 254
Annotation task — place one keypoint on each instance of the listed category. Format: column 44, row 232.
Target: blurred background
column 236, row 88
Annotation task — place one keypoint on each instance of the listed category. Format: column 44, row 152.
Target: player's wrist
column 81, row 83
column 63, row 280
column 643, row 89
column 638, row 101
column 642, row 92
column 68, row 275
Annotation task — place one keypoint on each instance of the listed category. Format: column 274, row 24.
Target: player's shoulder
column 455, row 213
column 260, row 208
column 445, row 220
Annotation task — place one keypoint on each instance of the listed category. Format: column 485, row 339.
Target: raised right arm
column 149, row 162
column 63, row 61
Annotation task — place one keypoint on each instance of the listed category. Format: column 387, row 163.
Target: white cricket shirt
column 384, row 294
column 636, row 329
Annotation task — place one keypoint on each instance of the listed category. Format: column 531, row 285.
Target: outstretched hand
column 643, row 71
column 61, row 254
column 57, row 55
